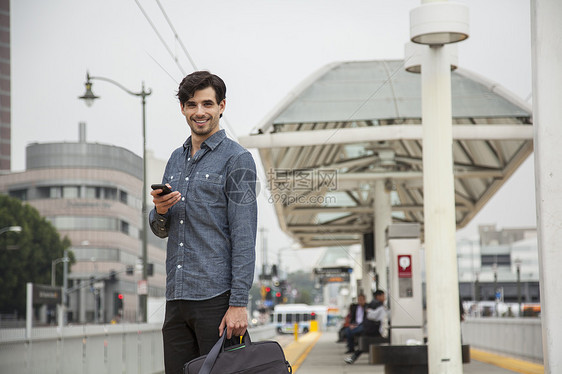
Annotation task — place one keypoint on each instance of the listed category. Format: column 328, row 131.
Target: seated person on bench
column 357, row 312
column 373, row 323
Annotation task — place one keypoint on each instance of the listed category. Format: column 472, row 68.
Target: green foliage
column 304, row 283
column 37, row 245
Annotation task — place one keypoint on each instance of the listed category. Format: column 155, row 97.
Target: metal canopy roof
column 353, row 123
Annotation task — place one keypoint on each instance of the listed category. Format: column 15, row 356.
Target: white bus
column 285, row 316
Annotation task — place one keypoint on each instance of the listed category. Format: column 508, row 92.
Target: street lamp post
column 495, row 270
column 10, row 228
column 64, row 260
column 53, row 267
column 89, row 98
column 518, row 267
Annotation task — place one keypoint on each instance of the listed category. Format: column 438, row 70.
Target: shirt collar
column 212, row 142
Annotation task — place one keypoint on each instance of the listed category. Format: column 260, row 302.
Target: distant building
column 5, row 86
column 92, row 194
column 490, row 264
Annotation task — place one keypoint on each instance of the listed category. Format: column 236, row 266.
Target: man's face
column 361, row 300
column 202, row 112
column 381, row 297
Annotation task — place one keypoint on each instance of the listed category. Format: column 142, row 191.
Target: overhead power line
column 228, row 128
column 160, row 37
column 177, row 36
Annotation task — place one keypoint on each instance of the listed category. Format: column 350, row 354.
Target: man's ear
column 222, row 106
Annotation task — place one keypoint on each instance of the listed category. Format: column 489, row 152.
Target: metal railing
column 120, row 348
column 516, row 337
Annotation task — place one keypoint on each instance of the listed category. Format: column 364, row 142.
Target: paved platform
column 320, row 354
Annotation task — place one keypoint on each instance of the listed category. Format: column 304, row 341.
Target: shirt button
column 189, row 159
column 172, row 177
column 183, row 198
column 186, row 178
column 179, row 266
column 181, row 221
column 206, row 175
column 181, row 244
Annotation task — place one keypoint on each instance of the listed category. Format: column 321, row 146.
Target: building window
column 110, row 193
column 85, row 223
column 43, row 192
column 99, row 254
column 55, row 192
column 123, row 196
column 93, row 192
column 500, row 260
column 71, row 192
column 19, row 194
column 125, row 227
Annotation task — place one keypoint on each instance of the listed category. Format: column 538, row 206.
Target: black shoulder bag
column 265, row 357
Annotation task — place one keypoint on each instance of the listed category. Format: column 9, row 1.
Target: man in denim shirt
column 210, row 220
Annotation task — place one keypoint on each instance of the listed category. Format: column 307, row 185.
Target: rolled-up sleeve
column 158, row 223
column 242, row 219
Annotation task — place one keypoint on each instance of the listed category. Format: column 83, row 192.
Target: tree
column 37, row 245
column 304, row 283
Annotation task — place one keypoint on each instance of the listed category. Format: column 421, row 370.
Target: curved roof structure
column 353, row 123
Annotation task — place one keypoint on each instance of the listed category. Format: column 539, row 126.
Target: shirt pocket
column 173, row 179
column 208, row 187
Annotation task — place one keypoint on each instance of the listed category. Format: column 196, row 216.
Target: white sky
column 262, row 49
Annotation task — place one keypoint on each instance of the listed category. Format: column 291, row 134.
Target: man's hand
column 235, row 320
column 164, row 202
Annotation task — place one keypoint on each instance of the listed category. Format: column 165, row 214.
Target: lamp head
column 88, row 96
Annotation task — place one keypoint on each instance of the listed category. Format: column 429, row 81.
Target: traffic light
column 278, row 297
column 268, row 295
column 117, row 304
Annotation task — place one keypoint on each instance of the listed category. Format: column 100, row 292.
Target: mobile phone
column 159, row 186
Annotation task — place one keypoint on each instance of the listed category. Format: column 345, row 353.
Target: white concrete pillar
column 326, row 293
column 82, row 302
column 443, row 322
column 383, row 218
column 28, row 309
column 546, row 33
column 366, row 277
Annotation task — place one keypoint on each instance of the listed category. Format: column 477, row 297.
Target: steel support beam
column 382, row 133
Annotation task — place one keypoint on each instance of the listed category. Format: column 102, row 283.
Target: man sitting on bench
column 358, row 314
column 373, row 323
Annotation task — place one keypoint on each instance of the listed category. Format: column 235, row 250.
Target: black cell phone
column 159, row 186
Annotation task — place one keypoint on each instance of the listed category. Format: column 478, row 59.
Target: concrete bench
column 405, row 359
column 364, row 342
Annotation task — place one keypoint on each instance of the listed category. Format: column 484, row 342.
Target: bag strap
column 218, row 348
column 212, row 356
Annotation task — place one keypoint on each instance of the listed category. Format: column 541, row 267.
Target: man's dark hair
column 200, row 80
column 378, row 293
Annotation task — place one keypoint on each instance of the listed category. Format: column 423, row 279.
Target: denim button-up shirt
column 212, row 229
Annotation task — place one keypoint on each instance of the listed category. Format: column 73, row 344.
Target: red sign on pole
column 404, row 266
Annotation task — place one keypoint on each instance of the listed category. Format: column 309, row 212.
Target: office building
column 5, row 86
column 489, row 266
column 92, row 193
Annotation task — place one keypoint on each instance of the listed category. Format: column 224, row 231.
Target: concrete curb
column 509, row 363
column 297, row 351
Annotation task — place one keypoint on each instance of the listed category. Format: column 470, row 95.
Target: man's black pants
column 190, row 329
